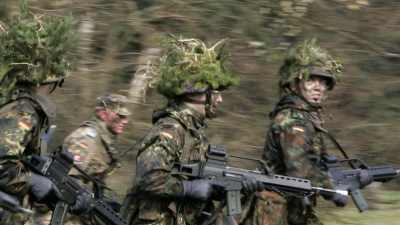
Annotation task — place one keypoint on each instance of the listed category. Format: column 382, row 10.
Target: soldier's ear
column 102, row 114
column 293, row 87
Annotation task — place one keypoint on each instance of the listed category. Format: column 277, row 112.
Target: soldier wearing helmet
column 94, row 148
column 33, row 61
column 191, row 78
column 294, row 142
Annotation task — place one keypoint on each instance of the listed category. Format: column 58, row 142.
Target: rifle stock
column 56, row 167
column 358, row 178
column 215, row 168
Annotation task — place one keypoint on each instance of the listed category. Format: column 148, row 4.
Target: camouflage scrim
column 35, row 48
column 305, row 59
column 115, row 102
column 178, row 135
column 189, row 66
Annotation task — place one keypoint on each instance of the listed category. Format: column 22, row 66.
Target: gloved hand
column 41, row 186
column 365, row 178
column 339, row 200
column 83, row 204
column 200, row 189
column 251, row 185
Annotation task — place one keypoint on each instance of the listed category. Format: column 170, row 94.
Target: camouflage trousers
column 269, row 208
column 44, row 218
column 9, row 218
column 157, row 211
column 14, row 218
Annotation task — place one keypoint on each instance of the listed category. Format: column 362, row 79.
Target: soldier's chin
column 317, row 100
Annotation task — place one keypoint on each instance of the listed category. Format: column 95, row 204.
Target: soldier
column 94, row 148
column 192, row 78
column 32, row 65
column 294, row 145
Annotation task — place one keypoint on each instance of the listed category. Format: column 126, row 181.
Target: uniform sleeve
column 161, row 149
column 17, row 130
column 82, row 143
column 300, row 156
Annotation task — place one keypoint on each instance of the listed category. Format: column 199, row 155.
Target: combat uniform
column 24, row 115
column 293, row 147
column 94, row 149
column 178, row 135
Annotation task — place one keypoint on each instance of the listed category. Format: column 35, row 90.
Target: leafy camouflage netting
column 34, row 48
column 189, row 66
column 307, row 58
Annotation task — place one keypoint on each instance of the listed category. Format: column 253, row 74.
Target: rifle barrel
column 324, row 190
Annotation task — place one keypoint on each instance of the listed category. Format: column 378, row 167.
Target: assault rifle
column 215, row 168
column 359, row 178
column 56, row 167
column 9, row 203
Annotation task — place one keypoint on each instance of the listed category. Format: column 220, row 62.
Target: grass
column 382, row 211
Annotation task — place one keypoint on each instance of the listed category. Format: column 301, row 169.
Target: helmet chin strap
column 57, row 83
column 207, row 104
column 209, row 114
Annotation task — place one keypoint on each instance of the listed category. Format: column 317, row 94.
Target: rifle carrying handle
column 359, row 200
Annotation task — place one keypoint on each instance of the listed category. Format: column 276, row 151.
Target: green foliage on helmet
column 305, row 59
column 35, row 48
column 188, row 66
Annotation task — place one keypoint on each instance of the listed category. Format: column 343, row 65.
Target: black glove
column 41, row 187
column 200, row 189
column 83, row 204
column 251, row 185
column 339, row 200
column 365, row 178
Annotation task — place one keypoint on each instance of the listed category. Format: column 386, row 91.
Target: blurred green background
column 115, row 43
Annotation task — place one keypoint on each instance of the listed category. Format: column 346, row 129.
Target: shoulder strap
column 337, row 145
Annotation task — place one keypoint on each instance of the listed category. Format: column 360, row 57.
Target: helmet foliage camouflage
column 35, row 48
column 188, row 66
column 305, row 59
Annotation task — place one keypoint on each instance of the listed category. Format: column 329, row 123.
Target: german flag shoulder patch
column 24, row 125
column 167, row 134
column 298, row 128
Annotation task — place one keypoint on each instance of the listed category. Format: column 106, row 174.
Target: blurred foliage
column 115, row 34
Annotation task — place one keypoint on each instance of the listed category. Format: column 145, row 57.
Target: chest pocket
column 199, row 145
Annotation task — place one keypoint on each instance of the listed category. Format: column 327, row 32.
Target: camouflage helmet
column 117, row 103
column 305, row 59
column 35, row 49
column 188, row 66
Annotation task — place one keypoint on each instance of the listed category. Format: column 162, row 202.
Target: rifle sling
column 334, row 142
column 327, row 134
column 216, row 212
